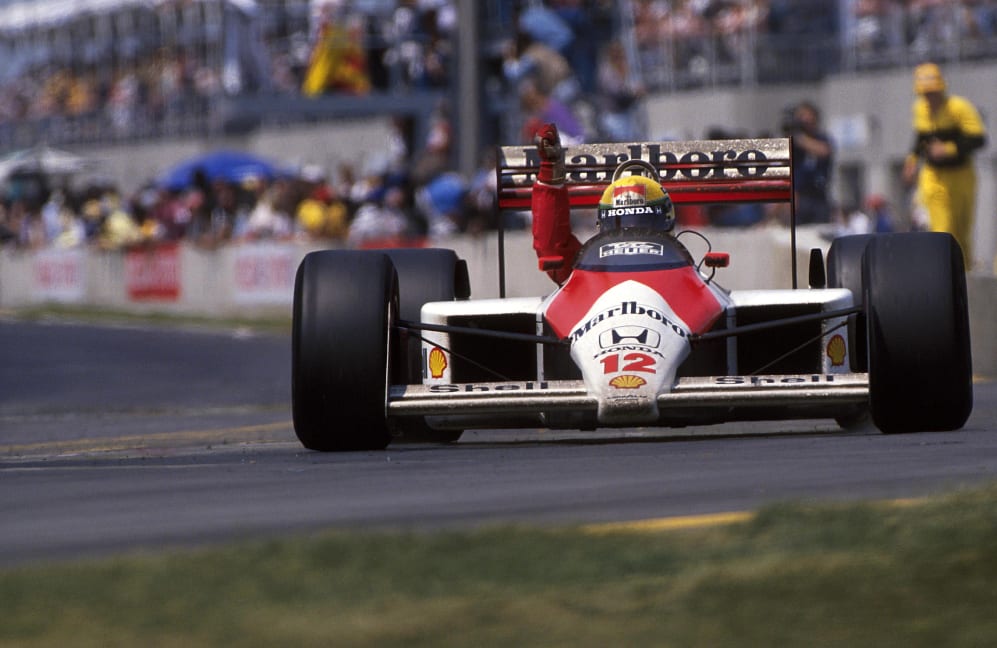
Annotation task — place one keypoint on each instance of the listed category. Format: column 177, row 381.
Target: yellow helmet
column 636, row 200
column 928, row 78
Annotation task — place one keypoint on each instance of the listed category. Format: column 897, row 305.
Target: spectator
column 321, row 214
column 8, row 233
column 338, row 62
column 540, row 108
column 619, row 91
column 935, row 27
column 586, row 19
column 51, row 213
column 441, row 202
column 876, row 217
column 947, row 131
column 81, row 97
column 347, row 187
column 879, row 26
column 64, row 225
column 118, row 229
column 321, row 217
column 686, row 27
column 528, row 58
column 92, row 214
column 142, row 205
column 270, row 217
column 883, row 220
column 402, row 32
column 813, row 157
column 439, row 49
column 172, row 212
column 28, row 225
column 733, row 22
column 419, row 43
column 123, row 101
column 381, row 221
column 214, row 216
column 434, row 158
column 481, row 195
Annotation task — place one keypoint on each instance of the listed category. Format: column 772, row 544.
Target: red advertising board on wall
column 153, row 273
column 264, row 273
column 59, row 275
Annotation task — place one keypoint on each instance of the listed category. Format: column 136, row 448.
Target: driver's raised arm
column 555, row 245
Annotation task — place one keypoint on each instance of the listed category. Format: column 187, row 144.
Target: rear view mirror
column 717, row 259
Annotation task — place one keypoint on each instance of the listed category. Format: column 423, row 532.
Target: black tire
column 424, row 275
column 345, row 302
column 920, row 364
column 844, row 270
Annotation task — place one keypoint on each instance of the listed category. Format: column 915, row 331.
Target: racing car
column 389, row 344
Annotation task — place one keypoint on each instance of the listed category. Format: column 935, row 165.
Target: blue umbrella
column 231, row 166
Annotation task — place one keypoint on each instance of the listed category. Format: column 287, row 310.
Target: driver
column 630, row 201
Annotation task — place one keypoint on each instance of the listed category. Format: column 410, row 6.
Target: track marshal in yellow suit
column 947, row 130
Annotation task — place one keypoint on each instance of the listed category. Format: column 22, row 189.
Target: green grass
column 794, row 575
column 96, row 315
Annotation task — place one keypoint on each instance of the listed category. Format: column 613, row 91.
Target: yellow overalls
column 947, row 189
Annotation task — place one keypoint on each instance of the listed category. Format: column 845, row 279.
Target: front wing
column 707, row 399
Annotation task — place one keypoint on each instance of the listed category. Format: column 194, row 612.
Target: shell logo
column 836, row 351
column 627, row 381
column 437, row 362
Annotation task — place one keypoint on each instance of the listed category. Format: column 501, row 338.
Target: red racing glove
column 551, row 154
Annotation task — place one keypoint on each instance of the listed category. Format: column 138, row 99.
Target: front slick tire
column 345, row 302
column 920, row 365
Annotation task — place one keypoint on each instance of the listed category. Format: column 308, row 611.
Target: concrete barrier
column 983, row 323
column 256, row 280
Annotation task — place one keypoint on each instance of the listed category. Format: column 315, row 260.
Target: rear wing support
column 693, row 172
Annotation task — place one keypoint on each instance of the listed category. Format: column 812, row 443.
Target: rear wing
column 693, row 172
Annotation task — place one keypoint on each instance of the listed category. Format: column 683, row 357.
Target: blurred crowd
column 400, row 199
column 166, row 73
column 614, row 51
column 552, row 61
column 926, row 28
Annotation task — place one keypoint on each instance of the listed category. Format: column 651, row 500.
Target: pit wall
column 257, row 280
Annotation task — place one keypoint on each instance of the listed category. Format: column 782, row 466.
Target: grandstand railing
column 756, row 55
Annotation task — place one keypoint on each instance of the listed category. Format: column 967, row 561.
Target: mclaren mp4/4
column 387, row 343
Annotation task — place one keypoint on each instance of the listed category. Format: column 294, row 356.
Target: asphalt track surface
column 116, row 439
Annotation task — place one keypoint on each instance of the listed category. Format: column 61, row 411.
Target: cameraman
column 813, row 156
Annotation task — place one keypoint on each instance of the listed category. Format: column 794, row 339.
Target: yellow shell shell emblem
column 836, row 351
column 437, row 362
column 627, row 381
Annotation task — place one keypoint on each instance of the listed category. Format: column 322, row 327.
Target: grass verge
column 792, row 575
column 95, row 315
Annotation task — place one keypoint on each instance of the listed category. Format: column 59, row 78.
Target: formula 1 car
column 388, row 342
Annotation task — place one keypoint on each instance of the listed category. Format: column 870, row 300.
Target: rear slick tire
column 345, row 305
column 920, row 363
